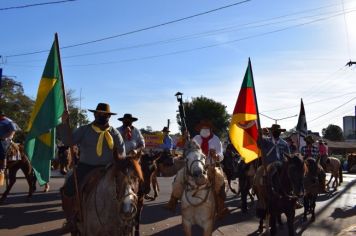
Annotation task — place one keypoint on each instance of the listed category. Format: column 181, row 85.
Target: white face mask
column 205, row 133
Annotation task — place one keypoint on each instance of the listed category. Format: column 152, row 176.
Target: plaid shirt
column 310, row 151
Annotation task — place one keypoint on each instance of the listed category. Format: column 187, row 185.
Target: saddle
column 91, row 180
column 167, row 159
column 13, row 152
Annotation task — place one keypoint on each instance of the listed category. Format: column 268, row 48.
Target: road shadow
column 32, row 213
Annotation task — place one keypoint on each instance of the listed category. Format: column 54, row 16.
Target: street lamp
column 179, row 96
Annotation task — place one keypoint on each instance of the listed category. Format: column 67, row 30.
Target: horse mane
column 137, row 168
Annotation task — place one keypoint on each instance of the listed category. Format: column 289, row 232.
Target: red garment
column 323, row 150
column 205, row 144
column 128, row 133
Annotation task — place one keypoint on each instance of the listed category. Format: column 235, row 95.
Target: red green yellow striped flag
column 46, row 115
column 243, row 129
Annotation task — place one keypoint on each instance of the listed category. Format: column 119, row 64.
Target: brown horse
column 311, row 188
column 274, row 193
column 151, row 163
column 17, row 159
column 333, row 165
column 111, row 206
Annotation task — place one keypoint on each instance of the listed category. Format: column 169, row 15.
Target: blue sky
column 298, row 50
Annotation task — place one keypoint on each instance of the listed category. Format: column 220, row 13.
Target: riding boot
column 172, row 204
column 70, row 212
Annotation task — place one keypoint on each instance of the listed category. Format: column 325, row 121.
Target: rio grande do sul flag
column 243, row 129
column 46, row 115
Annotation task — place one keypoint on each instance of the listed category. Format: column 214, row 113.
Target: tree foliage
column 18, row 106
column 333, row 133
column 15, row 104
column 204, row 108
column 77, row 116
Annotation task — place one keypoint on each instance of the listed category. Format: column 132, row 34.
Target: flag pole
column 258, row 114
column 68, row 129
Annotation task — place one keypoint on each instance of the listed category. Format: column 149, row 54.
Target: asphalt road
column 43, row 215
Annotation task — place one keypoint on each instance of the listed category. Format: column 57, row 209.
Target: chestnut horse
column 16, row 160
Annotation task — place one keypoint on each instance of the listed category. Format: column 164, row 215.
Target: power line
column 314, row 102
column 205, row 33
column 35, row 5
column 334, row 109
column 215, row 45
column 207, row 46
column 137, row 30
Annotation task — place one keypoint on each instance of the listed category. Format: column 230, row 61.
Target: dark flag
column 302, row 125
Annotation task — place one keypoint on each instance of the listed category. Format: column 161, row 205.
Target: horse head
column 195, row 162
column 295, row 172
column 128, row 176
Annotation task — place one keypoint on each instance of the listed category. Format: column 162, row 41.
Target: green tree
column 333, row 133
column 77, row 116
column 15, row 105
column 205, row 108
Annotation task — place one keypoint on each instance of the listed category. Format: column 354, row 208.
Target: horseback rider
column 133, row 139
column 274, row 149
column 212, row 148
column 311, row 151
column 7, row 132
column 100, row 144
column 324, row 152
column 167, row 146
column 292, row 146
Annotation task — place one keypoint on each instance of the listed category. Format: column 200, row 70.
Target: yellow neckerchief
column 108, row 137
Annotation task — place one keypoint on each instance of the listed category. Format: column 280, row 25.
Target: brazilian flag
column 46, row 115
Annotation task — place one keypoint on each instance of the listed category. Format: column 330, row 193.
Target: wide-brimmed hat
column 128, row 116
column 103, row 108
column 309, row 138
column 276, row 127
column 204, row 123
column 165, row 129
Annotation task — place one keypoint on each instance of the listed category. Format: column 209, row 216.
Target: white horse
column 198, row 204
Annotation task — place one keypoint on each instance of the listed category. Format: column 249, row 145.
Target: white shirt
column 214, row 143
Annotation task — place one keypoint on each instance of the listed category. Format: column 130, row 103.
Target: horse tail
column 137, row 168
column 340, row 174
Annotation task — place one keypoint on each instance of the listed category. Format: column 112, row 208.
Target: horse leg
column 187, row 227
column 305, row 203
column 12, row 180
column 138, row 215
column 290, row 223
column 155, row 186
column 230, row 187
column 327, row 185
column 312, row 207
column 208, row 228
column 27, row 170
column 279, row 220
column 272, row 221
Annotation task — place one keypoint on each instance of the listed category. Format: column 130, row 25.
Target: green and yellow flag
column 243, row 129
column 46, row 115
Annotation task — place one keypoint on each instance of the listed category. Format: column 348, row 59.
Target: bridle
column 119, row 199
